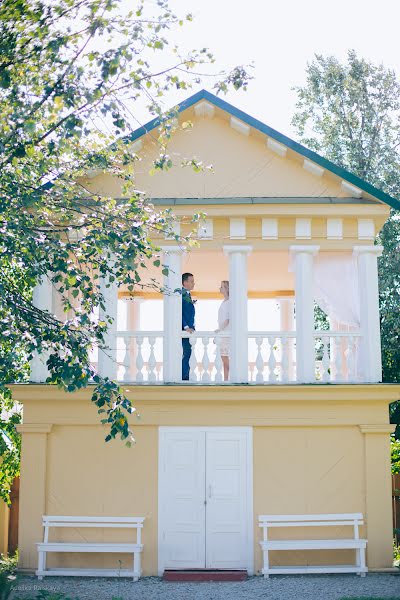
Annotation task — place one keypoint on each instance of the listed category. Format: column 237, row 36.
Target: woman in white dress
column 224, row 325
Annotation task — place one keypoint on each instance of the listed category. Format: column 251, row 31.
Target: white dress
column 223, row 315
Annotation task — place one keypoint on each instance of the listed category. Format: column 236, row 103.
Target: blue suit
column 188, row 317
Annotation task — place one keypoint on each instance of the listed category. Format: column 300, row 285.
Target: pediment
column 241, row 158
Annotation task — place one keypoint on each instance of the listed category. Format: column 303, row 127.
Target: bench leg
column 266, row 564
column 361, row 561
column 137, row 566
column 41, row 564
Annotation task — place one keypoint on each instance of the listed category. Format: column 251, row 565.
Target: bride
column 223, row 325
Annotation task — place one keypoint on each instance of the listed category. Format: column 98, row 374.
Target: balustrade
column 274, row 351
column 272, row 357
column 337, row 357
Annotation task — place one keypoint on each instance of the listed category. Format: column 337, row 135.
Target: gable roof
column 279, row 137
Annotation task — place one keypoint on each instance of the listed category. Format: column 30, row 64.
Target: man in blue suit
column 188, row 316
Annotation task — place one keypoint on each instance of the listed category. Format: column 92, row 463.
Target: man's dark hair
column 186, row 276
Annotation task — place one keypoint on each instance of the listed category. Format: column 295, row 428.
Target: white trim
column 276, row 147
column 334, row 229
column 229, row 249
column 204, row 109
column 237, row 228
column 240, row 126
column 205, row 230
column 249, row 471
column 351, row 190
column 366, row 229
column 313, row 168
column 269, row 229
column 175, row 230
column 374, row 250
column 303, row 229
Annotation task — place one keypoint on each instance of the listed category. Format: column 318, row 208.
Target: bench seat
column 340, row 544
column 88, row 547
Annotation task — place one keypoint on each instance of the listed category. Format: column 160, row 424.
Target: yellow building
column 302, row 425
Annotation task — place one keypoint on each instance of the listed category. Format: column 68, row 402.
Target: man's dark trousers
column 188, row 317
column 186, row 354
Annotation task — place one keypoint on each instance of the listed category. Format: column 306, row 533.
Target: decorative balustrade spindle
column 152, row 360
column 218, row 360
column 205, row 361
column 127, row 360
column 285, row 359
column 259, row 361
column 271, row 359
column 325, row 358
column 193, row 359
column 139, row 360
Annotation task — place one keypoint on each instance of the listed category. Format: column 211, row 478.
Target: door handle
column 209, row 491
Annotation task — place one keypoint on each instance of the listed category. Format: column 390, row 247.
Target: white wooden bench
column 135, row 523
column 353, row 520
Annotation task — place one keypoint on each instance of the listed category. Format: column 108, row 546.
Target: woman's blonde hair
column 226, row 285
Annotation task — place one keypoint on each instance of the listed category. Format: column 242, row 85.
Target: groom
column 188, row 315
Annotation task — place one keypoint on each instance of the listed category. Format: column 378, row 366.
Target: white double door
column 205, row 498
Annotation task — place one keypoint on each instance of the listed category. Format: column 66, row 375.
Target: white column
column 286, row 313
column 238, row 368
column 370, row 346
column 42, row 299
column 107, row 365
column 286, row 306
column 172, row 344
column 303, row 258
column 133, row 305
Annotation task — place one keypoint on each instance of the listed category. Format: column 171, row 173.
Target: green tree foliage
column 71, row 75
column 395, row 451
column 350, row 113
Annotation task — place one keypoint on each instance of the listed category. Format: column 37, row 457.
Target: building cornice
column 379, row 393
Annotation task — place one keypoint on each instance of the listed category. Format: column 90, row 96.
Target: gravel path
column 320, row 587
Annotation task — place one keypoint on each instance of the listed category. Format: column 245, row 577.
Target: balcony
column 261, row 352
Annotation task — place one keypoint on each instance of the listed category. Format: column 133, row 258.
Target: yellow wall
column 316, row 449
column 4, row 516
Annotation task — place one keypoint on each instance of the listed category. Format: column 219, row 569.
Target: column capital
column 304, row 249
column 171, row 249
column 230, row 249
column 34, row 427
column 368, row 249
column 383, row 428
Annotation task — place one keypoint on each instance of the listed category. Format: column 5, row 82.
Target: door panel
column 182, row 508
column 227, row 511
column 205, row 498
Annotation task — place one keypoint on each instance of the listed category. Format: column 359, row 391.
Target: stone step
column 204, row 575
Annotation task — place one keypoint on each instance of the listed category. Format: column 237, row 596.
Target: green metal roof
column 279, row 137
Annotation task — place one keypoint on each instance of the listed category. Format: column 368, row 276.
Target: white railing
column 337, row 356
column 274, row 356
column 271, row 357
column 205, row 360
column 140, row 356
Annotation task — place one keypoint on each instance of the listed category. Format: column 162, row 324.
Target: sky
column 281, row 37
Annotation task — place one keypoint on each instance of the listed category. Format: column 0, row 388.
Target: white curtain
column 336, row 287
